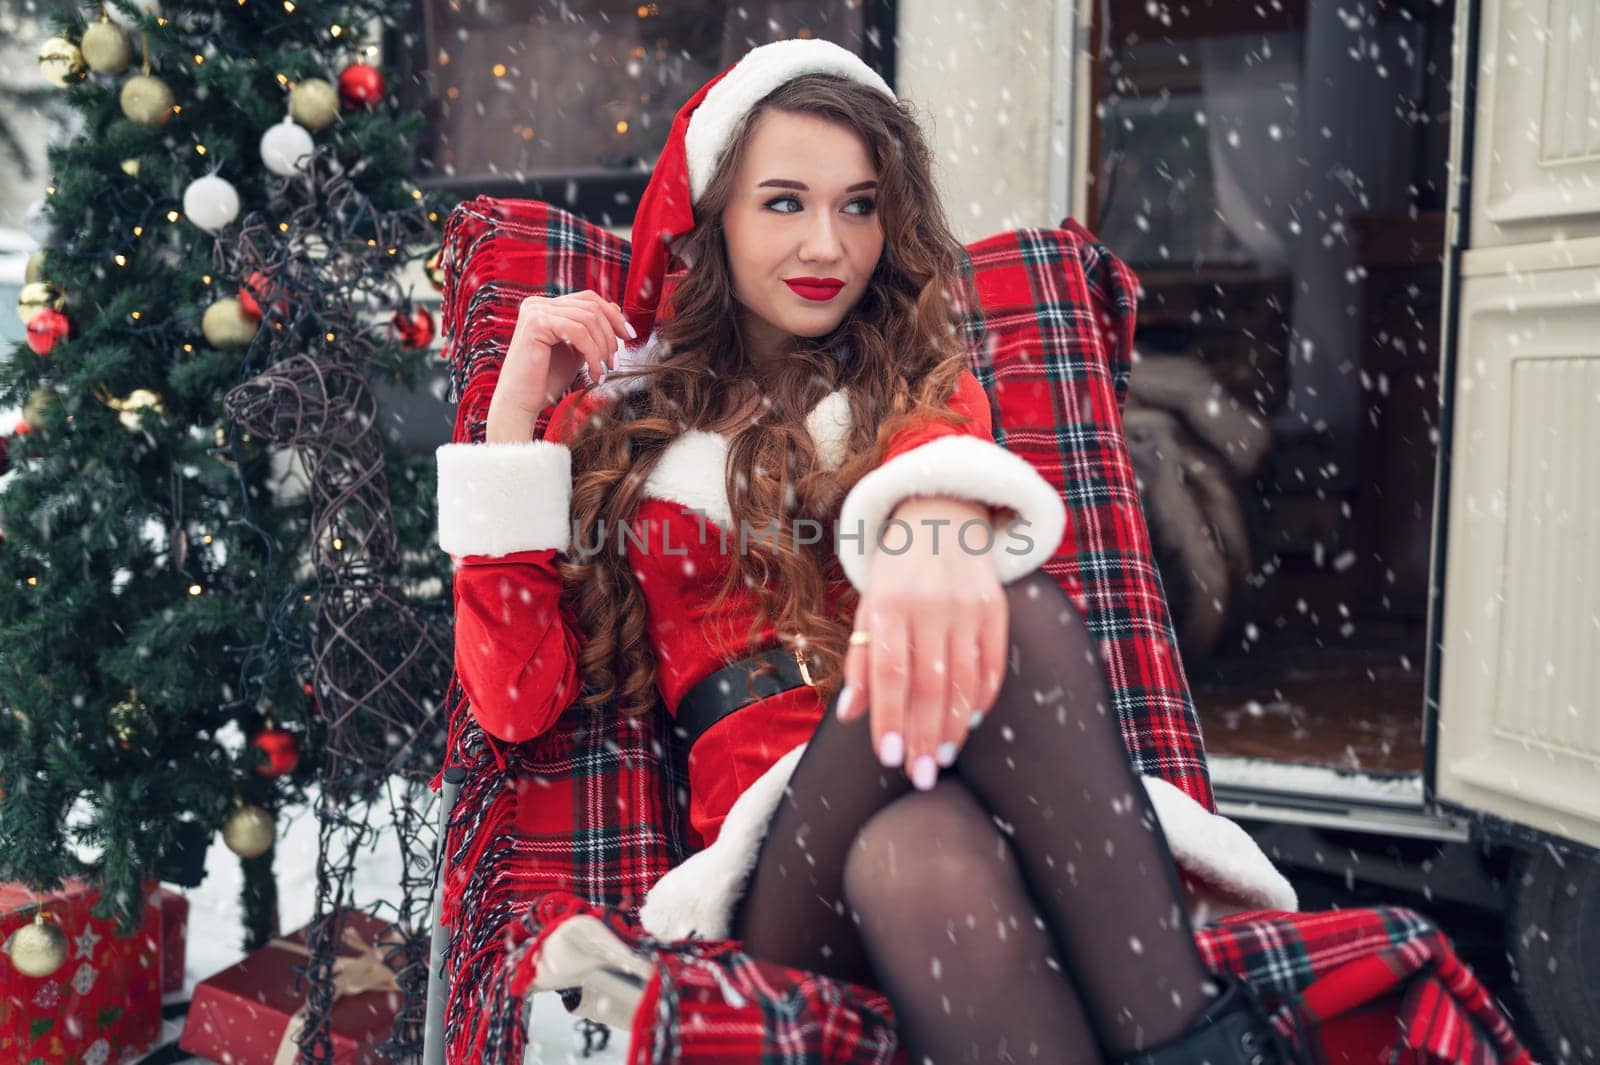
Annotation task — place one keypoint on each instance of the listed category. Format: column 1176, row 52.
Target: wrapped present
column 102, row 1006
column 174, row 938
column 252, row 1012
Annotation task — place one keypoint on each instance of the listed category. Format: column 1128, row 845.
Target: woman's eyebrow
column 785, row 184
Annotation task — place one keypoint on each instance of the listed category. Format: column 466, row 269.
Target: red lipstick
column 820, row 289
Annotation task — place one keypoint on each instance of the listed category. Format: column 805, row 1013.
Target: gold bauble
column 314, row 103
column 226, row 325
column 435, row 268
column 130, row 410
column 61, row 62
column 38, row 949
column 34, row 271
column 147, row 100
column 130, row 167
column 129, row 719
column 39, row 401
column 106, row 48
column 37, row 295
column 249, row 831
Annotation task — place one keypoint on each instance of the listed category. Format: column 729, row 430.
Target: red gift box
column 174, row 938
column 250, row 1012
column 103, row 1006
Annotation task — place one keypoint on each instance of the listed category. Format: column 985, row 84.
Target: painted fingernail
column 976, row 719
column 892, row 749
column 945, row 754
column 924, row 774
column 633, row 334
column 842, row 706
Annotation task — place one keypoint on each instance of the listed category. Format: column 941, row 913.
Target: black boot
column 1234, row 1030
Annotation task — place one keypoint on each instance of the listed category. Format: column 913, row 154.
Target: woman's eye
column 868, row 201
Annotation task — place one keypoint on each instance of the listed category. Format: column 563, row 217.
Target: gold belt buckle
column 805, row 674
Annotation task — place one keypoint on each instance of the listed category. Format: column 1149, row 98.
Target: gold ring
column 860, row 637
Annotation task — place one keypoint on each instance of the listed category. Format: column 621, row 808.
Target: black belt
column 729, row 689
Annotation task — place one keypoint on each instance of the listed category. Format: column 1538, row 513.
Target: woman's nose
column 821, row 242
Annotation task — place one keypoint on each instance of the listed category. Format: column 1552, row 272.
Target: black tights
column 1024, row 909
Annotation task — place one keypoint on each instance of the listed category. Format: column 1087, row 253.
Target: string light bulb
column 200, row 149
column 335, row 29
column 120, row 259
column 138, row 231
column 33, row 581
column 195, row 589
column 172, row 216
column 338, row 544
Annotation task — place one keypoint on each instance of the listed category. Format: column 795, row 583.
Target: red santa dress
column 504, row 517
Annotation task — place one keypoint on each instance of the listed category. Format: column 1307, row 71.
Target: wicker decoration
column 379, row 663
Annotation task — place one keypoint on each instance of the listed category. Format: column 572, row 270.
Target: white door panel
column 1519, row 724
column 1536, row 166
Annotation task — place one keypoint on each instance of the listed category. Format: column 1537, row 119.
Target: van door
column 1517, row 644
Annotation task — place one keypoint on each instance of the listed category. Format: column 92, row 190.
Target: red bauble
column 281, row 748
column 414, row 329
column 360, row 86
column 45, row 328
column 256, row 289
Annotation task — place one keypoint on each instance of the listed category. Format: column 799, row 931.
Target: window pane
column 518, row 89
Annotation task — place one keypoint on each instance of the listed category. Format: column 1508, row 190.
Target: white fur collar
column 693, row 467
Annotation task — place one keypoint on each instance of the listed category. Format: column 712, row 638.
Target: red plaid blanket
column 585, row 818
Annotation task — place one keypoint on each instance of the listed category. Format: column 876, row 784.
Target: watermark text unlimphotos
column 895, row 536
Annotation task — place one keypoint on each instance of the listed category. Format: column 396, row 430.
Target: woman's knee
column 1054, row 671
column 941, row 841
column 1039, row 601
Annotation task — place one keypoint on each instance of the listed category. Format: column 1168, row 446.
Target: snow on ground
column 1268, row 775
column 215, row 929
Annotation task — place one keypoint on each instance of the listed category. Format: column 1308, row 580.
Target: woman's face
column 803, row 206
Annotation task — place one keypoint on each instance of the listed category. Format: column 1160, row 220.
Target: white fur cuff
column 967, row 468
column 498, row 498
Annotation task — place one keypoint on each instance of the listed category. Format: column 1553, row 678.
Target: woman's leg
column 1049, row 763
column 970, row 966
column 961, row 951
column 1051, row 767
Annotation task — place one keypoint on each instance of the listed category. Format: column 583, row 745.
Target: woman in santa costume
column 777, row 509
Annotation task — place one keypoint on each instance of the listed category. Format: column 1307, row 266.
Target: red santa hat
column 700, row 134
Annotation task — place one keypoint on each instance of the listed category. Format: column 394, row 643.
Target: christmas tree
column 181, row 600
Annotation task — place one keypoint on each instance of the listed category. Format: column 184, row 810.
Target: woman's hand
column 554, row 337
column 939, row 627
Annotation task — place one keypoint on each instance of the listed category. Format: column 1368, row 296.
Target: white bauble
column 37, row 223
column 127, row 22
column 285, row 148
column 211, row 202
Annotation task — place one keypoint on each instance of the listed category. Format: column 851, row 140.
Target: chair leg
column 438, row 979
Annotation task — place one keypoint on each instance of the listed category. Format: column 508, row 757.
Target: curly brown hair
column 897, row 354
